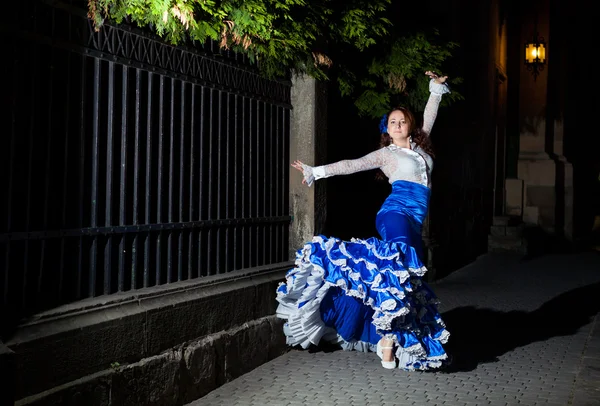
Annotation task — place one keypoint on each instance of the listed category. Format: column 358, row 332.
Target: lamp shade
column 535, row 52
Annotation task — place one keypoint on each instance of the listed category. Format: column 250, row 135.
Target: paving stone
column 529, row 367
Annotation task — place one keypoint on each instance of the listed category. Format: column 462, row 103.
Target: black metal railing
column 128, row 163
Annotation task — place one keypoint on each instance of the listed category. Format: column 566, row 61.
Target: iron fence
column 127, row 162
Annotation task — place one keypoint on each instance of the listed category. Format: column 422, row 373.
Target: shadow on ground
column 482, row 335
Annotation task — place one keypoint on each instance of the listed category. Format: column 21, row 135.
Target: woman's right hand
column 306, row 170
column 298, row 165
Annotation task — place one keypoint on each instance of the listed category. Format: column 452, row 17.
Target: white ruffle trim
column 443, row 337
column 383, row 321
column 304, row 323
column 306, row 287
column 438, row 88
column 402, row 274
column 308, row 174
column 356, row 345
column 408, row 357
column 373, row 248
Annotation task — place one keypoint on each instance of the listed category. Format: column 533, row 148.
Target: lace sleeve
column 435, row 97
column 373, row 160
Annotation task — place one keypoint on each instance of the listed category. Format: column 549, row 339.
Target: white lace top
column 397, row 163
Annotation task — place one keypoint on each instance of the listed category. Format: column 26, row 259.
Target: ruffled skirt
column 353, row 293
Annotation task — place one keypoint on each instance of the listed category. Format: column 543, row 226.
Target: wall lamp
column 535, row 55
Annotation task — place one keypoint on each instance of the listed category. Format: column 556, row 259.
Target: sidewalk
column 523, row 332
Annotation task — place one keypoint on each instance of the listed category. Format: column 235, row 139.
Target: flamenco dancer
column 368, row 295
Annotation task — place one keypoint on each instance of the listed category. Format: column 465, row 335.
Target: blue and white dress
column 353, row 293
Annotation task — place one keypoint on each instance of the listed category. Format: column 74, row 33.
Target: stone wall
column 177, row 376
column 166, row 345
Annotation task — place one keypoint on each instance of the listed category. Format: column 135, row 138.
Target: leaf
column 351, row 42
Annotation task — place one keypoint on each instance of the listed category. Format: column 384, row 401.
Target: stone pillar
column 557, row 94
column 538, row 173
column 536, row 168
column 546, row 173
column 564, row 186
column 308, row 128
column 7, row 376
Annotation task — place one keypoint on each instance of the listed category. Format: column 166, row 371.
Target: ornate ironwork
column 131, row 47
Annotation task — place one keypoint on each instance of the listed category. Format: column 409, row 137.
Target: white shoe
column 385, row 364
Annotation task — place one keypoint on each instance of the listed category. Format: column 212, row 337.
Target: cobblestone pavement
column 522, row 333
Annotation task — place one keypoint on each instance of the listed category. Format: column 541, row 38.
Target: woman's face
column 398, row 126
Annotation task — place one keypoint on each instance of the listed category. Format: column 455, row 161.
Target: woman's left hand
column 436, row 78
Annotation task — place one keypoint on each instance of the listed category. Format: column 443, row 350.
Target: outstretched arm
column 370, row 161
column 437, row 87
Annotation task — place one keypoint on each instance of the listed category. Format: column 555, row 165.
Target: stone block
column 531, row 215
column 265, row 301
column 540, row 196
column 63, row 356
column 500, row 220
column 543, row 198
column 513, row 231
column 94, row 390
column 532, row 142
column 169, row 326
column 277, row 345
column 506, row 244
column 7, row 375
column 203, row 367
column 152, row 381
column 537, row 172
column 498, row 231
column 246, row 349
column 547, row 218
column 514, row 197
column 213, row 361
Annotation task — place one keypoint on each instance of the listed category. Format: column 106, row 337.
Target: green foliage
column 397, row 77
column 349, row 41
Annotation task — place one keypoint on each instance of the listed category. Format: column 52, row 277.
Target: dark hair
column 418, row 136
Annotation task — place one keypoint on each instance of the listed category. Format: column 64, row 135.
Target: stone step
column 500, row 220
column 506, row 221
column 506, row 231
column 506, row 244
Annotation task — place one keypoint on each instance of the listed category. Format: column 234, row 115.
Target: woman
column 368, row 295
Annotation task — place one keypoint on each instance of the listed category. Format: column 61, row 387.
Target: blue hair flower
column 383, row 124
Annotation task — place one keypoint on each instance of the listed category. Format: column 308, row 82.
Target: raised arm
column 375, row 159
column 437, row 87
